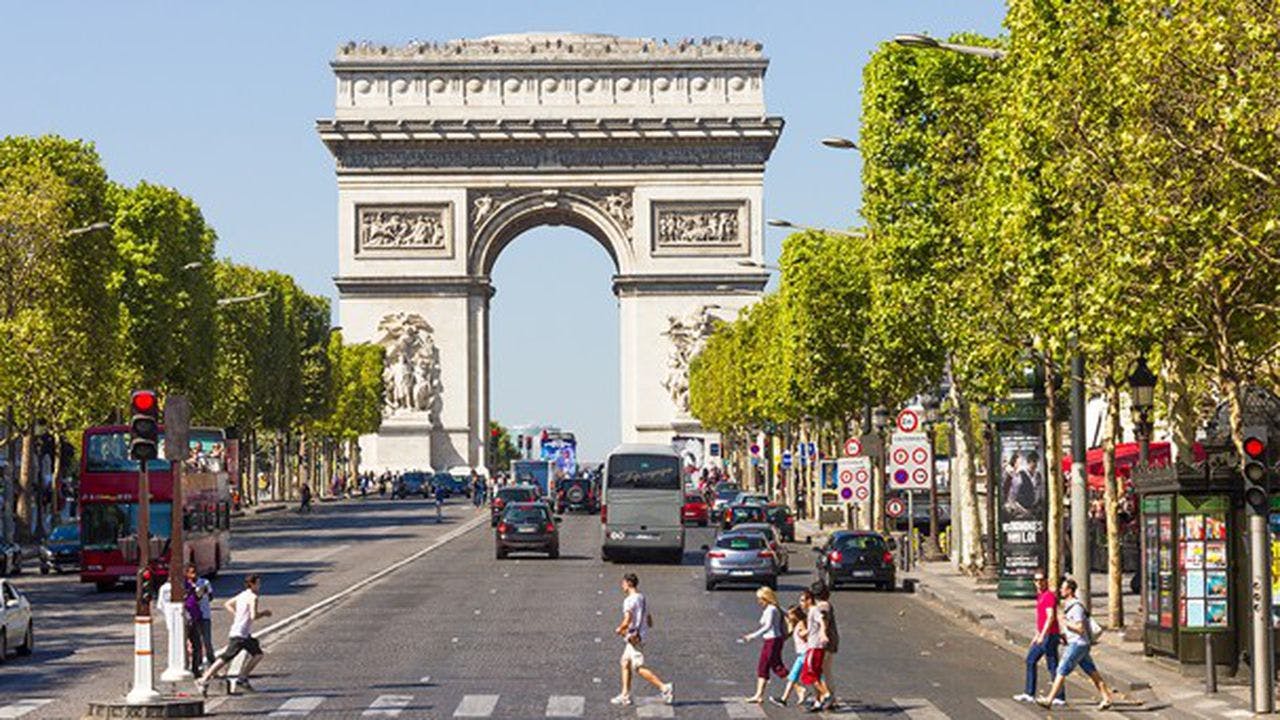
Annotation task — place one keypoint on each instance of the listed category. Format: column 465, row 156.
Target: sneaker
column 780, row 702
column 203, row 687
column 1043, row 701
column 1104, row 705
column 668, row 693
column 1024, row 698
column 815, row 707
column 1058, row 702
column 621, row 700
column 829, row 703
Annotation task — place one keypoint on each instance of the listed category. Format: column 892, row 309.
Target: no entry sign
column 853, row 479
column 909, row 461
column 895, row 507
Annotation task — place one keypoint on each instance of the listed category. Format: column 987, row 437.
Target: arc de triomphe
column 446, row 152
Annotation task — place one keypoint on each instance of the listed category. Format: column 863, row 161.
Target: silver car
column 781, row 556
column 740, row 557
column 15, row 621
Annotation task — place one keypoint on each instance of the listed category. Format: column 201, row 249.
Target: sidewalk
column 1010, row 624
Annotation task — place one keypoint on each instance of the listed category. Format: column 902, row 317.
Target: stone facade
column 445, row 152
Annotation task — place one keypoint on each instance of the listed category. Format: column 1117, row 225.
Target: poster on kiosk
column 1023, row 505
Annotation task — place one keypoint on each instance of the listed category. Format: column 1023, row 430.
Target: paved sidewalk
column 1010, row 623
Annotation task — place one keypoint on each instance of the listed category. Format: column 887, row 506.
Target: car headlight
column 46, row 552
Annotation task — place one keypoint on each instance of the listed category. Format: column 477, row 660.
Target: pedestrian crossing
column 579, row 706
column 22, row 707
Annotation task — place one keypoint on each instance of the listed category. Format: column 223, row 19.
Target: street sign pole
column 177, row 423
column 143, row 690
column 911, row 529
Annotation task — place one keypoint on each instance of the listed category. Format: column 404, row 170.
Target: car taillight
column 604, row 513
column 835, row 556
column 498, row 503
column 888, row 558
column 503, row 528
column 551, row 527
column 715, row 555
column 791, row 520
column 766, row 553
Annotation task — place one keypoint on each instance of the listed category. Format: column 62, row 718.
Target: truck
column 535, row 472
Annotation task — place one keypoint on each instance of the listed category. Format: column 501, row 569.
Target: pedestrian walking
column 198, row 616
column 439, row 488
column 773, row 633
column 1045, row 642
column 244, row 610
column 822, row 597
column 304, row 494
column 816, row 645
column 634, row 628
column 797, row 627
column 1079, row 628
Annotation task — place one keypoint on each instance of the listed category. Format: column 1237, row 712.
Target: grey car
column 781, row 557
column 740, row 557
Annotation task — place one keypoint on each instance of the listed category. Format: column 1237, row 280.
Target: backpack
column 1093, row 630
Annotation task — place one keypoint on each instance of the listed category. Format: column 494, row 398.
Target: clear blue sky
column 219, row 99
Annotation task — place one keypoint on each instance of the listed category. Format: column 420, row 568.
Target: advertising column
column 1022, row 506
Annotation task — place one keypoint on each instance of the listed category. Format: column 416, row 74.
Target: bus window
column 644, row 472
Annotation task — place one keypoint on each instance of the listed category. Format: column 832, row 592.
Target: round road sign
column 900, row 456
column 894, row 508
column 900, row 477
column 862, row 475
column 846, row 477
column 920, row 456
column 853, row 447
column 846, row 493
column 920, row 476
column 755, row 449
column 908, row 420
column 861, row 493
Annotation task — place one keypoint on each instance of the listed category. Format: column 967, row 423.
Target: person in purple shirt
column 196, row 597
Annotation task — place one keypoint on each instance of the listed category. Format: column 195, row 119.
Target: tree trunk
column 26, row 500
column 57, row 476
column 1053, row 476
column 1182, row 409
column 251, row 487
column 1111, row 506
column 278, row 470
column 304, row 461
column 964, row 486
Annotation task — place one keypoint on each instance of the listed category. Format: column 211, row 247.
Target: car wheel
column 499, row 554
column 702, row 523
column 554, row 553
column 677, row 557
column 884, row 586
column 604, row 555
column 29, row 642
column 710, row 586
column 17, row 565
column 4, row 646
column 44, row 569
column 771, row 583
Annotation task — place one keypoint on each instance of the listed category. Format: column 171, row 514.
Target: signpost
column 894, row 508
column 853, row 447
column 177, row 426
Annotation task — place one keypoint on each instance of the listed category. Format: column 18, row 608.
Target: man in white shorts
column 633, row 629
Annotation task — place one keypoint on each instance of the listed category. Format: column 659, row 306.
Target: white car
column 750, row 498
column 16, row 629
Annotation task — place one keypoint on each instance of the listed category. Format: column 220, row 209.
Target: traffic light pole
column 177, row 670
column 1260, row 598
column 143, row 690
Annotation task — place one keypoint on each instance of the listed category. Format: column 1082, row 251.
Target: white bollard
column 143, row 686
column 177, row 671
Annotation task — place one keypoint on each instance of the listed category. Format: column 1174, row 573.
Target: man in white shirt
column 244, row 610
column 633, row 629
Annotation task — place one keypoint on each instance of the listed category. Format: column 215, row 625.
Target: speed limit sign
column 853, row 447
column 895, row 507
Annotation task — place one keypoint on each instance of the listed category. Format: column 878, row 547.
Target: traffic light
column 144, row 427
column 1256, row 473
column 149, row 585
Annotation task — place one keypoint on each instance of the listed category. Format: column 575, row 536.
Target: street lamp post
column 989, row 570
column 917, row 40
column 932, row 548
column 780, row 223
column 1142, row 388
column 879, row 421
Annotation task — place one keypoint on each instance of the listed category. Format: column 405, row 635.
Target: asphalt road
column 460, row 634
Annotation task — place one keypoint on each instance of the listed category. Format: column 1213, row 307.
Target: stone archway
column 446, row 152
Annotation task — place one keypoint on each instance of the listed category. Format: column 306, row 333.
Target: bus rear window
column 109, row 452
column 644, row 472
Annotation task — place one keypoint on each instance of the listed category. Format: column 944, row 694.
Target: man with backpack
column 1082, row 632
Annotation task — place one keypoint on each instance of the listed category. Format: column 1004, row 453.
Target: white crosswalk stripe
column 739, row 708
column 476, row 706
column 388, row 706
column 919, row 709
column 653, row 707
column 23, row 706
column 565, row 706
column 1010, row 708
column 298, row 706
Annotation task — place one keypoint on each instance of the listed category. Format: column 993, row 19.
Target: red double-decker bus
column 109, row 504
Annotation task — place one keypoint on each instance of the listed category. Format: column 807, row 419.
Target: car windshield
column 746, row 513
column 64, row 533
column 526, row 515
column 692, row 499
column 727, row 494
column 778, row 513
column 515, row 494
column 740, row 542
column 860, row 542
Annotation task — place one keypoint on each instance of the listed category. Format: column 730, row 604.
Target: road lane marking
column 387, row 706
column 565, row 705
column 23, row 706
column 739, row 708
column 298, row 706
column 323, row 554
column 1011, row 709
column 653, row 707
column 426, row 679
column 476, row 706
column 919, row 709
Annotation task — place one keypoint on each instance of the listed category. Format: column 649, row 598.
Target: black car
column 577, row 493
column 780, row 517
column 452, row 484
column 738, row 514
column 10, row 558
column 856, row 557
column 527, row 527
column 411, row 484
column 507, row 496
column 61, row 550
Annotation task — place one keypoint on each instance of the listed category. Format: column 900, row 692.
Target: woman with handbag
column 1082, row 632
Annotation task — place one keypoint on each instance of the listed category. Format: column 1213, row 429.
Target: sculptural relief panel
column 700, row 228
column 411, row 370
column 404, row 231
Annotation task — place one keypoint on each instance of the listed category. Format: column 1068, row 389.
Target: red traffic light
column 493, row 432
column 143, row 401
column 1254, row 448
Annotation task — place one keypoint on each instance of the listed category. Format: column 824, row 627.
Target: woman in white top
column 773, row 631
